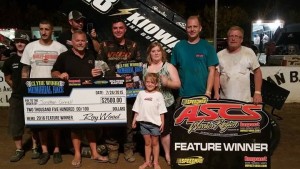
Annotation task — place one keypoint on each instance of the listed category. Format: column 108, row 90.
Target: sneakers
column 35, row 153
column 57, row 158
column 17, row 156
column 43, row 158
column 128, row 152
column 113, row 153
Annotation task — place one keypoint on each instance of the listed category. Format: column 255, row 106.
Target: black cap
column 21, row 36
column 76, row 15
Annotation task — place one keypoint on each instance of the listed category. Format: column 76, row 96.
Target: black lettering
column 279, row 78
column 294, row 76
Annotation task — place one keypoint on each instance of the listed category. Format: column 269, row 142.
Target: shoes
column 145, row 165
column 17, row 156
column 86, row 152
column 57, row 158
column 113, row 153
column 76, row 163
column 102, row 150
column 35, row 153
column 128, row 152
column 100, row 159
column 44, row 157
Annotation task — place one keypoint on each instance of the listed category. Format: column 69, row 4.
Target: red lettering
column 213, row 111
column 252, row 115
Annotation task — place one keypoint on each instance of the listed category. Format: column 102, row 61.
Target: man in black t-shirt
column 79, row 62
column 12, row 69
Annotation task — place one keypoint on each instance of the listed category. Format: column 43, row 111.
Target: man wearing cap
column 76, row 20
column 38, row 59
column 12, row 70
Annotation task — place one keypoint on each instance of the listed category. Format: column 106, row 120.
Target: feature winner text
column 254, row 147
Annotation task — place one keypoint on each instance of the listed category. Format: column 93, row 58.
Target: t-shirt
column 41, row 58
column 235, row 72
column 74, row 65
column 192, row 62
column 149, row 107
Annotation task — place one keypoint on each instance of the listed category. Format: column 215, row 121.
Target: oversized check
column 78, row 101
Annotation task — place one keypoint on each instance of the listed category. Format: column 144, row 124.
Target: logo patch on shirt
column 199, row 55
column 148, row 98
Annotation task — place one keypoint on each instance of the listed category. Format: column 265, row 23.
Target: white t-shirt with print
column 41, row 58
column 149, row 107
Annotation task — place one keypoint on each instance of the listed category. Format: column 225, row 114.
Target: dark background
column 23, row 14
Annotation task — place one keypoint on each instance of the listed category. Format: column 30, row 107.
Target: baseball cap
column 21, row 36
column 75, row 15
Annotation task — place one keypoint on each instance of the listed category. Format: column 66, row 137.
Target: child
column 149, row 107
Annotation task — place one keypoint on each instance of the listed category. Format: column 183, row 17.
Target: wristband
column 257, row 92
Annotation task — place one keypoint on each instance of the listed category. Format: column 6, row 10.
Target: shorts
column 16, row 122
column 149, row 129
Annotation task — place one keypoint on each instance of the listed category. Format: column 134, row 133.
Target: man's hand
column 257, row 99
column 64, row 76
column 96, row 72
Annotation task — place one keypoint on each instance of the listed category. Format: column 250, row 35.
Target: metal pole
column 215, row 24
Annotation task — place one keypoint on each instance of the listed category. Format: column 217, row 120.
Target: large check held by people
column 80, row 101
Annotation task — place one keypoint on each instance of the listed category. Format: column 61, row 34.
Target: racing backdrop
column 225, row 134
column 146, row 20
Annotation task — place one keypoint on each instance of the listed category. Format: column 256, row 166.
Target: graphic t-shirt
column 41, row 58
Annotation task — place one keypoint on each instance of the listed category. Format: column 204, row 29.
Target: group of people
column 195, row 69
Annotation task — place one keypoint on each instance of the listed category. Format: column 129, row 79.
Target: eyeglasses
column 235, row 37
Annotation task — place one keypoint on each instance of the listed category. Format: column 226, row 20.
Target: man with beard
column 119, row 50
column 76, row 21
column 38, row 59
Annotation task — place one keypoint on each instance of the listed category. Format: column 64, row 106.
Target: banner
column 79, row 101
column 133, row 74
column 225, row 134
column 5, row 91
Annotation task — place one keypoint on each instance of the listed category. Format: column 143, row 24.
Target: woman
column 169, row 79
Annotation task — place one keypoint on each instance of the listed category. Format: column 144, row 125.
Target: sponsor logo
column 157, row 10
column 151, row 31
column 181, row 24
column 190, row 160
column 124, row 11
column 99, row 82
column 102, row 6
column 225, row 118
column 116, row 81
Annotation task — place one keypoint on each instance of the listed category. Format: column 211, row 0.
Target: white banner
column 5, row 91
column 286, row 77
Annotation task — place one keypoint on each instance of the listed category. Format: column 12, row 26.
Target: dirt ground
column 286, row 156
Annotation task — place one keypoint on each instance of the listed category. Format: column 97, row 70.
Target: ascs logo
column 220, row 118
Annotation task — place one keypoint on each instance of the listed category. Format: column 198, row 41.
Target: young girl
column 149, row 107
